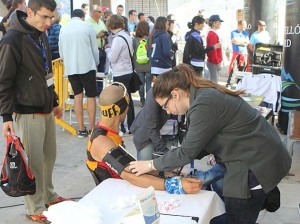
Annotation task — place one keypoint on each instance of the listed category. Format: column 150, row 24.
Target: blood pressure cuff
column 118, row 159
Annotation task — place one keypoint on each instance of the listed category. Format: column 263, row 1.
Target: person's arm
column 60, row 43
column 94, row 47
column 116, row 47
column 153, row 115
column 189, row 185
column 10, row 60
column 239, row 41
column 213, row 39
column 102, row 144
column 204, row 125
column 186, row 51
column 166, row 45
column 251, row 44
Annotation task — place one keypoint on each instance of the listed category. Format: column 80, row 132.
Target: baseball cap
column 105, row 9
column 215, row 18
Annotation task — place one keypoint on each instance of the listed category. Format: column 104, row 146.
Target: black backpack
column 16, row 177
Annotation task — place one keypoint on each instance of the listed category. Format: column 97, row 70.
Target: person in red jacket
column 214, row 57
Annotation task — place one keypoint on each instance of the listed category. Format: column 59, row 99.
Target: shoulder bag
column 135, row 81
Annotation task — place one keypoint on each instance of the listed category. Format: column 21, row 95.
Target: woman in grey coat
column 222, row 123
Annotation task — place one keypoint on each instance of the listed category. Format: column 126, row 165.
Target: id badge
column 50, row 80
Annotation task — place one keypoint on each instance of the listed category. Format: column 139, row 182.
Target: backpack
column 141, row 52
column 16, row 177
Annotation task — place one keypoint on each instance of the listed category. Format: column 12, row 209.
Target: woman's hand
column 141, row 167
column 217, row 45
column 191, row 185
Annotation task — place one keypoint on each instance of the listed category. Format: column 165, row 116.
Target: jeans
column 146, row 78
column 213, row 176
column 100, row 68
column 145, row 153
column 246, row 211
column 125, row 79
column 214, row 71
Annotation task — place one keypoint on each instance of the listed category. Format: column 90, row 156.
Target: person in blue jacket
column 160, row 43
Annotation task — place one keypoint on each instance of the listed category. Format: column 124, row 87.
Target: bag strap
column 128, row 52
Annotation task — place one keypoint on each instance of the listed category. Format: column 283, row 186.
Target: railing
column 61, row 89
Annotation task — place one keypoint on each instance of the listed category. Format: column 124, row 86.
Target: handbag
column 16, row 177
column 135, row 81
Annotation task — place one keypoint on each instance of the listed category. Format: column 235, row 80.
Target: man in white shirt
column 78, row 49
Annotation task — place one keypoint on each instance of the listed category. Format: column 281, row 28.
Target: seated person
column 146, row 129
column 107, row 157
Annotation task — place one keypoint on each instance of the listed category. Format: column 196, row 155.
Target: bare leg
column 78, row 107
column 91, row 106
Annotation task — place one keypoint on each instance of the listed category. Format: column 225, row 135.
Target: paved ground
column 72, row 179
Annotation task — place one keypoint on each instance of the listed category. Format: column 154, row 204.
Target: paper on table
column 247, row 99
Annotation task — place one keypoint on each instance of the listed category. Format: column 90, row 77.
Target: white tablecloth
column 205, row 204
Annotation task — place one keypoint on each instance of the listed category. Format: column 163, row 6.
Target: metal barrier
column 62, row 92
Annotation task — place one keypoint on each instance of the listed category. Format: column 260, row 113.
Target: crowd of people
column 205, row 117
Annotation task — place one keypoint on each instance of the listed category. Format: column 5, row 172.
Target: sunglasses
column 165, row 105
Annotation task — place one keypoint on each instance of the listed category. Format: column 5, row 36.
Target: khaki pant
column 37, row 133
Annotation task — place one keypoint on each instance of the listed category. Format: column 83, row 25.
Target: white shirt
column 78, row 47
column 118, row 54
column 266, row 85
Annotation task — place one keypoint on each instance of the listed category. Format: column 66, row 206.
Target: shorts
column 85, row 81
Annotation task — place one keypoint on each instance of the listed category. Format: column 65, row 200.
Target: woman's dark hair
column 125, row 23
column 160, row 24
column 142, row 29
column 115, row 22
column 183, row 76
column 196, row 19
column 151, row 19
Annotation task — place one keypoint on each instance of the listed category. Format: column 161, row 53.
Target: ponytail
column 190, row 25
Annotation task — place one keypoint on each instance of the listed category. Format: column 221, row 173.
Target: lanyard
column 43, row 51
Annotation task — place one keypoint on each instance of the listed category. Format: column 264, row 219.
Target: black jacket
column 147, row 124
column 194, row 47
column 23, row 72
